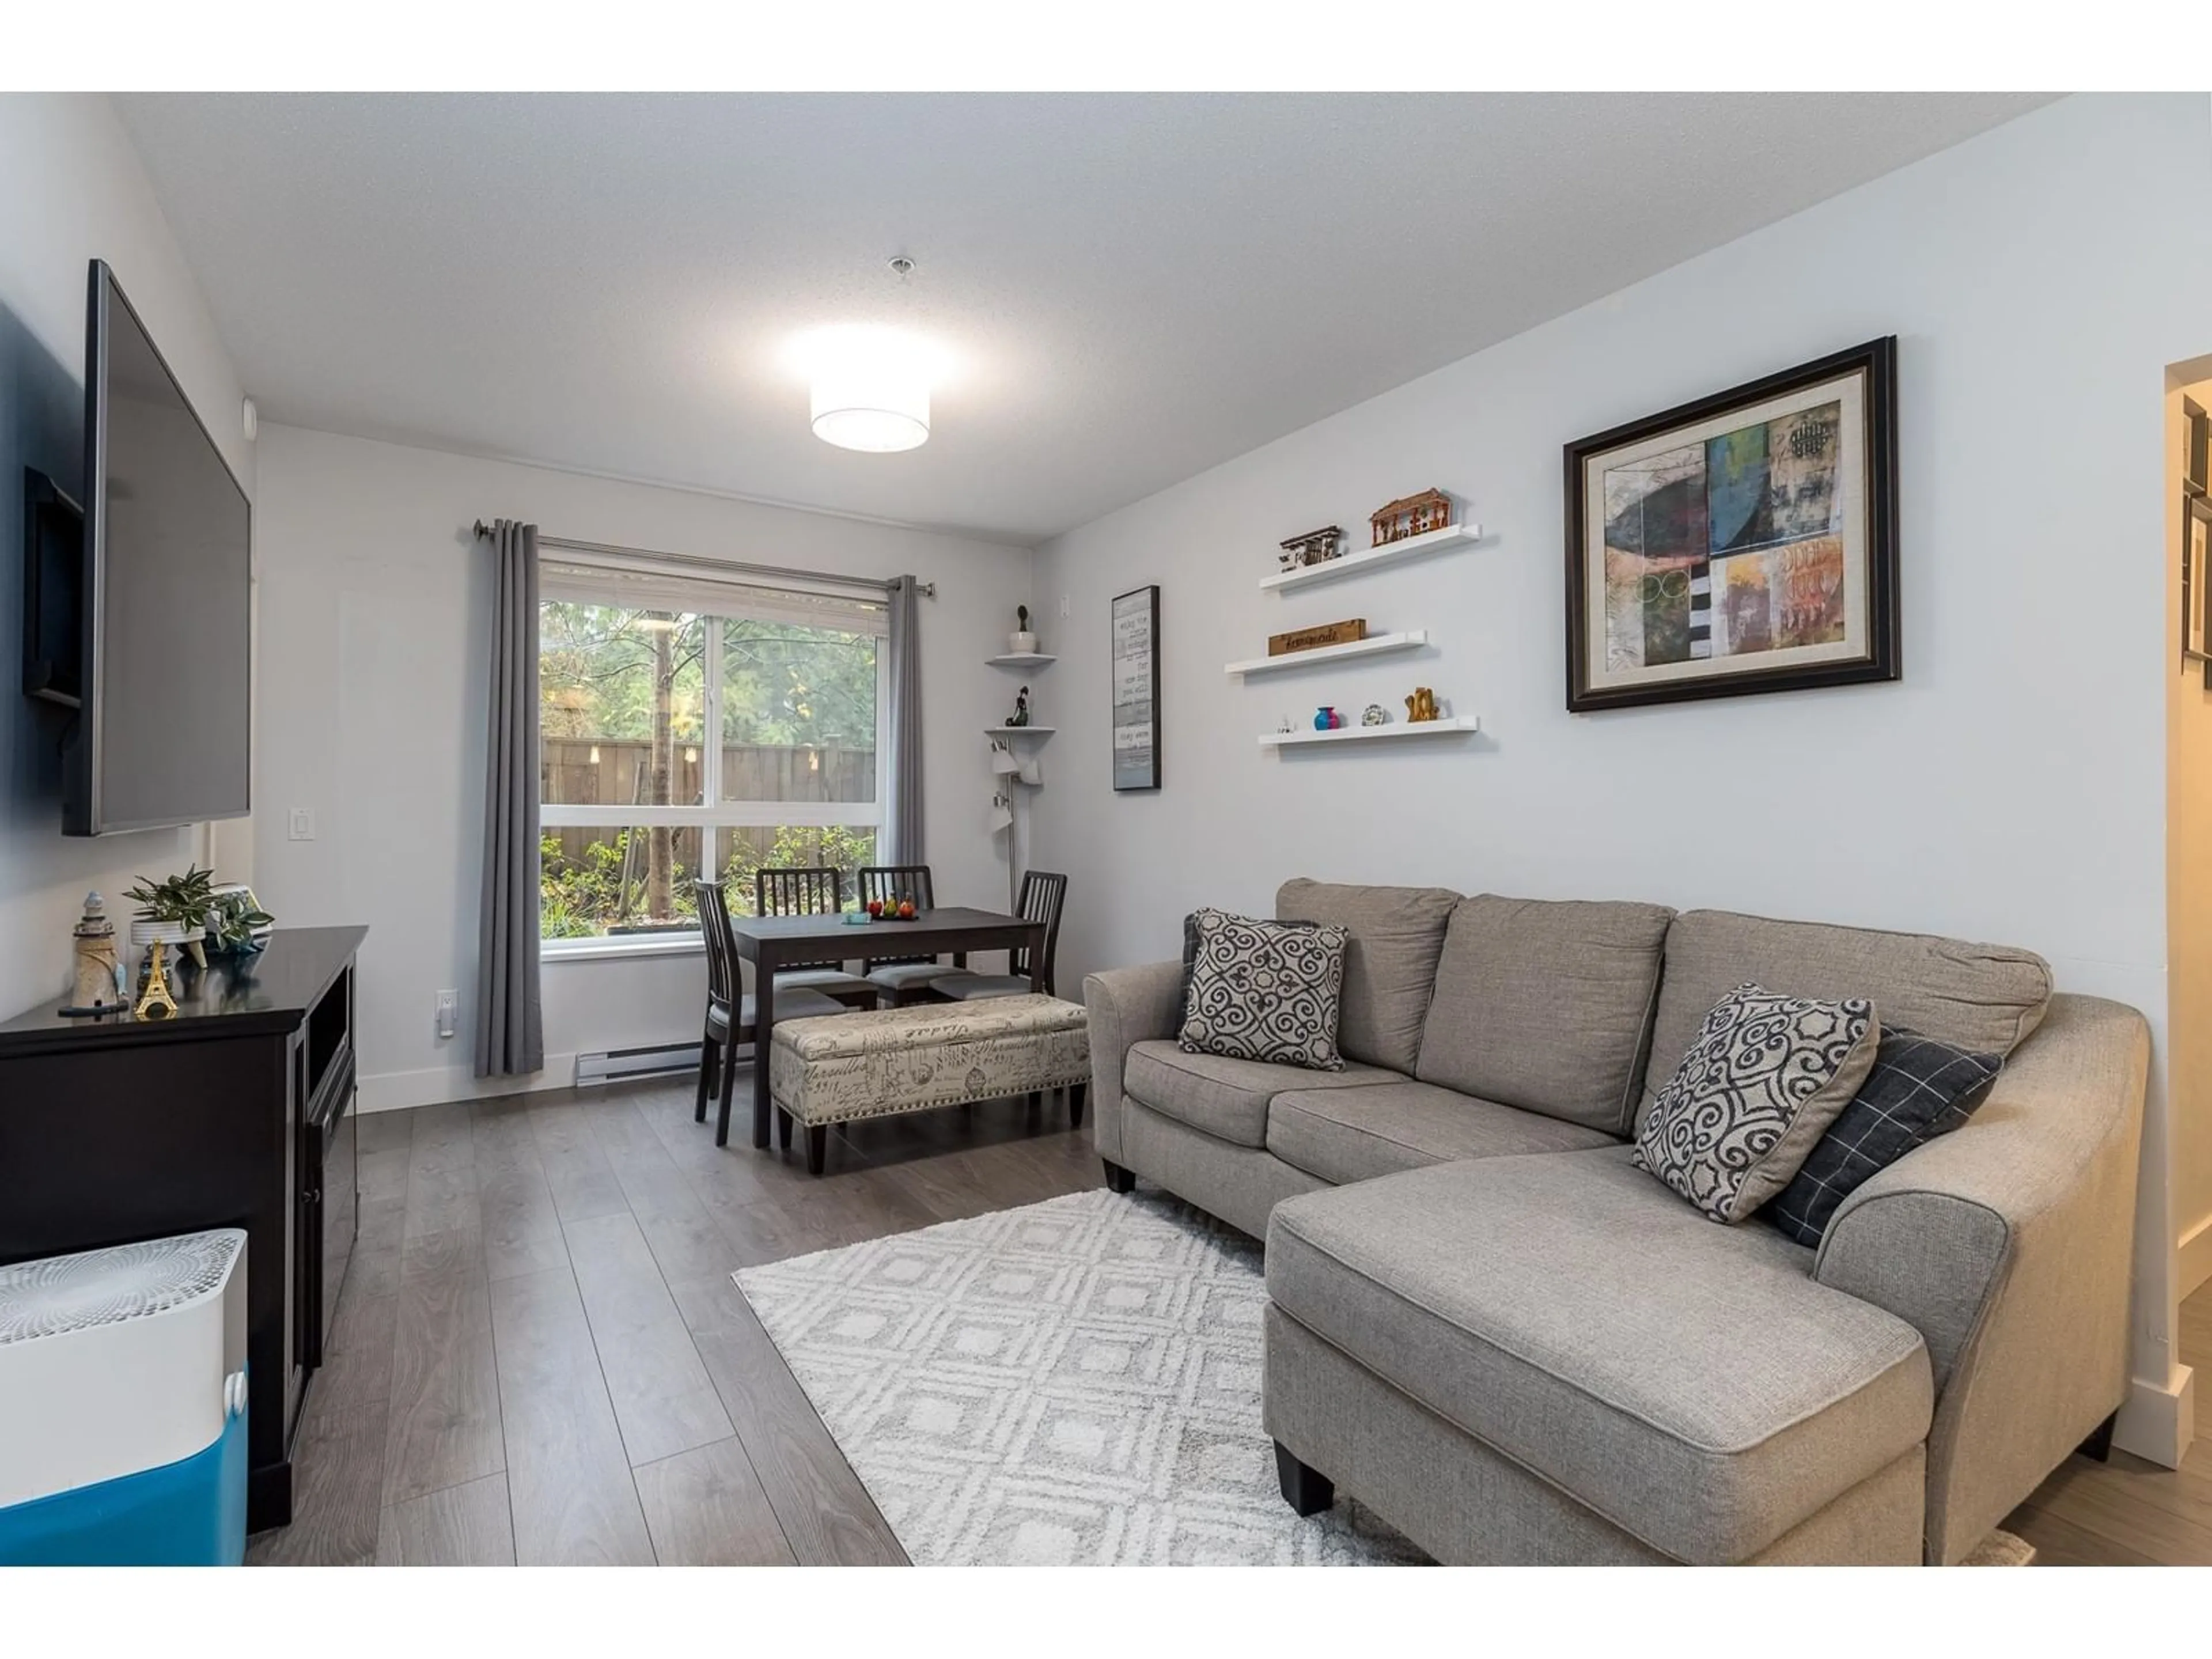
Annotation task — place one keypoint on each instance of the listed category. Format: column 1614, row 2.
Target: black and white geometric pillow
column 1918, row 1089
column 1265, row 990
column 1765, row 1077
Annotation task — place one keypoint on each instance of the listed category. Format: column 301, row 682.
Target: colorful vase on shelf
column 1326, row 719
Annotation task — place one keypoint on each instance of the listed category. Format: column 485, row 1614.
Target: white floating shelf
column 1373, row 646
column 1437, row 728
column 1021, row 731
column 1021, row 660
column 1452, row 535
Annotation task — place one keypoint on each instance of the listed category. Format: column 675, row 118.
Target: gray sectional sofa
column 1491, row 1329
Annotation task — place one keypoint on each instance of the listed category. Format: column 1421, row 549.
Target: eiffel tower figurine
column 156, row 994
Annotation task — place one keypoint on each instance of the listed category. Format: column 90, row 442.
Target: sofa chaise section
column 1692, row 1385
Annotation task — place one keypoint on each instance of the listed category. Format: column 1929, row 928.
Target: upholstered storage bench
column 839, row 1067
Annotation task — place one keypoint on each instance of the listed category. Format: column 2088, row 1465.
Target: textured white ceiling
column 1134, row 287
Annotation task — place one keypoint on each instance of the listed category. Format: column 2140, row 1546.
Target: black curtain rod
column 873, row 584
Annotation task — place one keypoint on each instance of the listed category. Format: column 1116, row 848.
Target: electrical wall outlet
column 449, row 1004
column 1063, row 605
column 301, row 823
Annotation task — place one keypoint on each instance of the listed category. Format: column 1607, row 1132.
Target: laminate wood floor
column 539, row 1355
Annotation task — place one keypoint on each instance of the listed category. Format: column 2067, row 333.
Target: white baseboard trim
column 2192, row 1260
column 2159, row 1423
column 395, row 1091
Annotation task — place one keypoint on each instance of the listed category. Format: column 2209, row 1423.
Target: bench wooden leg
column 783, row 1129
column 818, row 1148
column 1075, row 1105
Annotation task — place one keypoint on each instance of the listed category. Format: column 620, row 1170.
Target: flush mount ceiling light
column 870, row 385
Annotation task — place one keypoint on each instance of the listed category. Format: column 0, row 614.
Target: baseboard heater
column 620, row 1064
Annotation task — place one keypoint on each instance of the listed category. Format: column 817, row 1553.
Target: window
column 686, row 726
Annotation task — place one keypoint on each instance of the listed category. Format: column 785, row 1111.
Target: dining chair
column 1043, row 894
column 900, row 980
column 809, row 890
column 730, row 1015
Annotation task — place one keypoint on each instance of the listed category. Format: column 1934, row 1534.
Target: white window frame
column 713, row 815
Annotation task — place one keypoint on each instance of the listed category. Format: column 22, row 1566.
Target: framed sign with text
column 1137, row 689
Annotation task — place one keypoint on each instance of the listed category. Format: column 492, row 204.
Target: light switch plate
column 449, row 1004
column 302, row 823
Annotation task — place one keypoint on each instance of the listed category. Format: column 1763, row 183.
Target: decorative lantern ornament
column 99, row 984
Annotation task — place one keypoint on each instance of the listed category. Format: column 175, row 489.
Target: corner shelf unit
column 1372, row 646
column 1456, row 725
column 1021, row 660
column 1452, row 535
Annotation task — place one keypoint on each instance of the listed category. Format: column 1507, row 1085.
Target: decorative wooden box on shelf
column 1455, row 535
column 1374, row 645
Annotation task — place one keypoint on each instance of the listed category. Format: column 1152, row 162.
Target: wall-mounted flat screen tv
column 164, row 734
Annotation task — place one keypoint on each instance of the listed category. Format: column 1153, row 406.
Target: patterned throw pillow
column 1918, row 1089
column 1765, row 1077
column 1265, row 990
column 1190, row 954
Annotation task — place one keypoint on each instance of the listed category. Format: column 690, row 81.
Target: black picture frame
column 1881, row 658
column 1134, row 621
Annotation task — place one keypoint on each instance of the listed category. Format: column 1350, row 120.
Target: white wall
column 71, row 189
column 2011, row 787
column 375, row 605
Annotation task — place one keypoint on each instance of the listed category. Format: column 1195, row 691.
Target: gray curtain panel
column 510, row 1014
column 903, row 822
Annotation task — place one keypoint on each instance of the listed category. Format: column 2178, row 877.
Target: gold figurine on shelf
column 157, row 995
column 1422, row 705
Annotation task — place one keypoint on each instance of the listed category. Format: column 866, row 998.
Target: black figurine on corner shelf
column 1021, row 715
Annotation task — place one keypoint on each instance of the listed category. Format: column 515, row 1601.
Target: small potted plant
column 1021, row 642
column 175, row 911
column 237, row 926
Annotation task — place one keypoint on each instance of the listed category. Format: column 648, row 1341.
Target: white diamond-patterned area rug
column 1072, row 1383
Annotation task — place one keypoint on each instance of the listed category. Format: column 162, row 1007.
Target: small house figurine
column 1422, row 705
column 1021, row 715
column 1315, row 547
column 1413, row 515
column 1021, row 642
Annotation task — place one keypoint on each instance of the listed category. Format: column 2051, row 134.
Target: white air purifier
column 123, row 1394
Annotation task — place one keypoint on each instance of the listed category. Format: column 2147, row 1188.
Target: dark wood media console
column 237, row 1113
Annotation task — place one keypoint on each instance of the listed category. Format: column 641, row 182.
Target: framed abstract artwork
column 1137, row 689
column 1744, row 542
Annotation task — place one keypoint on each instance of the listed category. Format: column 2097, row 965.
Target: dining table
column 775, row 943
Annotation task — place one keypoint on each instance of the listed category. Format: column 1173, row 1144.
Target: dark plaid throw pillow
column 1918, row 1089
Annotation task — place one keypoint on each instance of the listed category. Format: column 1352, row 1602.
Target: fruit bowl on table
column 893, row 916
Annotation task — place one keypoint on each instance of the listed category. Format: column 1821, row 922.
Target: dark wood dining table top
column 878, row 938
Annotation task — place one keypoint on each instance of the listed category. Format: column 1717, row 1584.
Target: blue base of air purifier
column 190, row 1513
